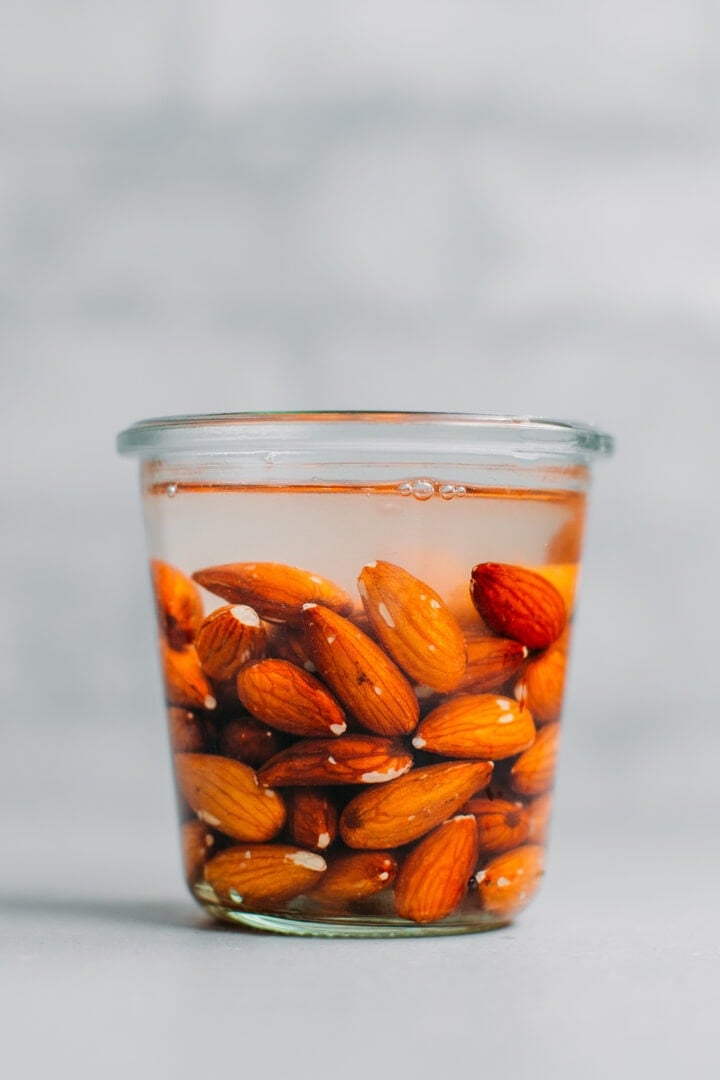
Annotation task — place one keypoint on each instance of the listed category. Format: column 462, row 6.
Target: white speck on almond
column 331, row 760
column 378, row 690
column 383, row 876
column 338, row 729
column 506, row 718
column 435, row 604
column 307, row 859
column 502, row 703
column 210, row 702
column 316, row 579
column 306, row 607
column 309, row 666
column 503, row 882
column 331, row 638
column 379, row 777
column 323, row 840
column 418, row 742
column 480, row 876
column 246, row 615
column 247, row 855
column 385, row 615
column 209, row 819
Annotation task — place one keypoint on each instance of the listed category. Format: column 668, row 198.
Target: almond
column 518, row 603
column 226, row 795
column 178, row 604
column 476, row 726
column 276, row 591
column 288, row 643
column 539, row 811
column 397, row 813
column 288, row 698
column 566, row 544
column 256, row 875
column 229, row 638
column 508, row 881
column 186, row 731
column 564, row 576
column 491, row 661
column 366, row 681
column 186, row 684
column 246, row 739
column 434, row 878
column 543, row 682
column 312, row 818
column 534, row 770
column 355, row 876
column 196, row 841
column 501, row 824
column 414, row 625
column 352, row 759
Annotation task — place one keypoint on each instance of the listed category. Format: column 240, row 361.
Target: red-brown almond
column 178, row 604
column 508, row 881
column 276, row 591
column 414, row 625
column 229, row 638
column 399, row 812
column 351, row 759
column 518, row 603
column 502, row 825
column 290, row 699
column 197, row 842
column 226, row 795
column 360, row 674
column 542, row 685
column 246, row 739
column 312, row 818
column 491, row 662
column 288, row 643
column 476, row 726
column 355, row 876
column 434, row 877
column 260, row 875
column 186, row 684
column 186, row 730
column 534, row 771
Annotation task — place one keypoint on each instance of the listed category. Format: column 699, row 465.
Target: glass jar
column 363, row 624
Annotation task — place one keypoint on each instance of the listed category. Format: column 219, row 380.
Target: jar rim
column 473, row 433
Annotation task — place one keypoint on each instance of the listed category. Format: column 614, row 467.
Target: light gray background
column 486, row 206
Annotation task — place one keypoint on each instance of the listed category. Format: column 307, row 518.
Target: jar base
column 349, row 926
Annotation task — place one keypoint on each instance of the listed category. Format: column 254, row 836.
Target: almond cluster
column 385, row 755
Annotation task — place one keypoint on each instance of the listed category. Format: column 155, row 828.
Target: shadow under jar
column 363, row 623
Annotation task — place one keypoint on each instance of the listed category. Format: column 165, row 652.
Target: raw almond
column 491, row 661
column 543, row 682
column 414, row 625
column 229, row 638
column 397, row 813
column 564, row 576
column 434, row 878
column 196, row 841
column 246, row 739
column 290, row 699
column 539, row 811
column 257, row 875
column 288, row 643
column 312, row 818
column 178, row 604
column 351, row 759
column 508, row 881
column 476, row 726
column 502, row 825
column 355, row 876
column 186, row 684
column 360, row 674
column 186, row 730
column 276, row 591
column 534, row 770
column 518, row 603
column 226, row 795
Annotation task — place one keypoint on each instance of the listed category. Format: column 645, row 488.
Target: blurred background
column 482, row 206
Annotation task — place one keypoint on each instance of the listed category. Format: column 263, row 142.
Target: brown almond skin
column 360, row 674
column 246, row 739
column 312, row 818
column 407, row 808
column 518, row 603
column 542, row 686
column 434, row 878
column 178, row 604
column 186, row 731
column 483, row 726
column 414, row 625
column 225, row 794
column 288, row 643
column 502, row 825
column 534, row 771
column 186, row 684
column 507, row 882
column 229, row 638
column 260, row 875
column 290, row 699
column 491, row 661
column 354, row 876
column 197, row 843
column 276, row 591
column 351, row 759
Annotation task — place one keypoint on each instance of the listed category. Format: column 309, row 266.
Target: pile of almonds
column 331, row 754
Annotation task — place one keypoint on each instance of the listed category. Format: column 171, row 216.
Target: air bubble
column 405, row 489
column 451, row 491
column 421, row 489
column 171, row 490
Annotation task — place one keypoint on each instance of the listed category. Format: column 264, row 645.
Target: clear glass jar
column 363, row 623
